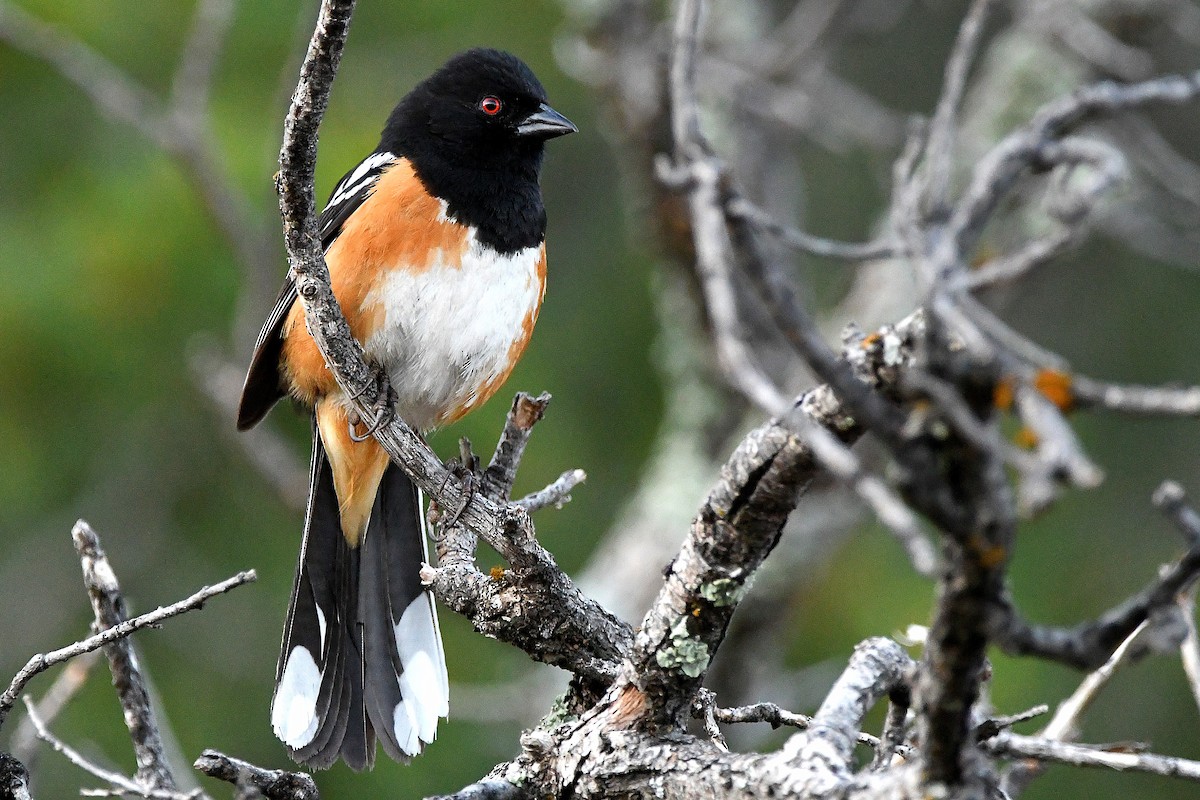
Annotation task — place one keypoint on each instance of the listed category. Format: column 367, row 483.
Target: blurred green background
column 115, row 276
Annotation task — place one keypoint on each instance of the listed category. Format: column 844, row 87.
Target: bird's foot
column 384, row 407
column 468, row 470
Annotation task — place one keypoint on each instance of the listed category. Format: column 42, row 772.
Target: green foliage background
column 111, row 270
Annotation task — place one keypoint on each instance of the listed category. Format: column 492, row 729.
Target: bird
column 435, row 244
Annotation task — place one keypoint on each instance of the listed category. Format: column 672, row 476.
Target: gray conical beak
column 545, row 123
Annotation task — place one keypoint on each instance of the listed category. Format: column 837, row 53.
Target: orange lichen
column 496, row 573
column 1026, row 438
column 1004, row 394
column 992, row 556
column 1055, row 386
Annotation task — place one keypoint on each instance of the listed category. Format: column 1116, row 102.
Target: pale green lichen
column 723, row 592
column 558, row 714
column 687, row 653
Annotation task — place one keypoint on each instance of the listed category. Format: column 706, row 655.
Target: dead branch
column 43, row 661
column 253, row 782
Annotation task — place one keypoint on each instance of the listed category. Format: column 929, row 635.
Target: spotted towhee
column 435, row 246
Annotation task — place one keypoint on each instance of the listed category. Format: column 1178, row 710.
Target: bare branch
column 43, row 661
column 108, row 604
column 1090, row 644
column 122, row 784
column 877, row 668
column 253, row 782
column 777, row 717
column 485, row 790
column 939, row 151
column 525, row 412
column 741, row 208
column 1170, row 498
column 1014, row 745
column 14, row 779
column 193, row 79
column 68, row 682
column 554, row 494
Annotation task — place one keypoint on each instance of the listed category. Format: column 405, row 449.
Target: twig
column 777, row 717
column 1090, row 644
column 1014, row 745
column 939, row 150
column 1170, row 498
column 709, row 236
column 1000, row 169
column 68, row 682
column 1064, row 725
column 108, row 604
column 841, row 462
column 1183, row 401
column 525, row 412
column 1007, row 269
column 43, row 661
column 555, row 494
column 192, row 84
column 994, row 726
column 123, row 784
column 741, row 208
column 273, row 784
column 895, row 728
column 704, row 707
column 877, row 668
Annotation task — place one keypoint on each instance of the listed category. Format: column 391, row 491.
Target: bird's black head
column 475, row 132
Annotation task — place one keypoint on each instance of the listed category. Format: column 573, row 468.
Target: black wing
column 263, row 386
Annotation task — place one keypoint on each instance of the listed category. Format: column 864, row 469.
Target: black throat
column 502, row 201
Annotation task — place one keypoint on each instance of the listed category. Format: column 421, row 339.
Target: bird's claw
column 384, row 405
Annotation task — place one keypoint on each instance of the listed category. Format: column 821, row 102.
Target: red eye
column 490, row 106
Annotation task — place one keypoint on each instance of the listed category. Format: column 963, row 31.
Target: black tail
column 362, row 653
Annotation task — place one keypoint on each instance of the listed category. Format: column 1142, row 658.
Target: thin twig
column 525, row 412
column 939, row 151
column 777, row 717
column 68, row 682
column 994, row 726
column 1064, row 725
column 43, row 661
column 741, row 208
column 124, row 785
column 555, row 494
column 1014, row 745
column 108, row 604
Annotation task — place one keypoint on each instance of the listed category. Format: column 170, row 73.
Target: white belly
column 449, row 329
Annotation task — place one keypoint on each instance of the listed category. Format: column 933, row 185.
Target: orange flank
column 357, row 468
column 400, row 226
